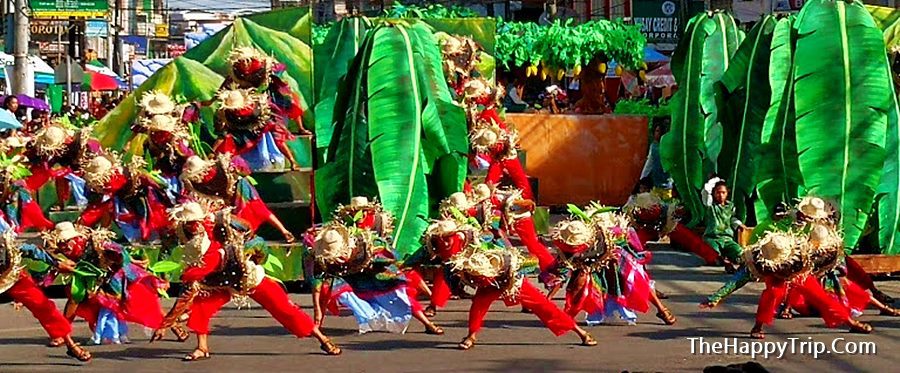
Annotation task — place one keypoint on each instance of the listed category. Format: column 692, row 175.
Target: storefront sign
column 662, row 22
column 69, row 8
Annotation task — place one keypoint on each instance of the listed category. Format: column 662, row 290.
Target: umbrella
column 98, row 82
column 661, row 76
column 28, row 101
column 99, row 68
column 652, row 55
column 8, row 121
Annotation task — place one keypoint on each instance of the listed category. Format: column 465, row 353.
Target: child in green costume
column 720, row 224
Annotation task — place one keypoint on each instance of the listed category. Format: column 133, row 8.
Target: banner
column 663, row 21
column 69, row 8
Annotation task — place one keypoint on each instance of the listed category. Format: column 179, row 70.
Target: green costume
column 719, row 233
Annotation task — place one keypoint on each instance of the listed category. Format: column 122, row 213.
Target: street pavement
column 251, row 341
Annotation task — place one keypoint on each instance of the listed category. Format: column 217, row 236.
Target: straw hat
column 65, row 231
column 458, row 200
column 359, row 203
column 826, row 247
column 441, row 228
column 10, row 261
column 99, row 170
column 339, row 252
column 451, row 45
column 813, row 207
column 50, row 139
column 188, row 211
column 483, row 138
column 160, row 122
column 156, row 102
column 249, row 60
column 572, row 232
column 482, row 192
column 779, row 254
column 195, row 168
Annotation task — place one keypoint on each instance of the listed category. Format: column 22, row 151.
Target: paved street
column 245, row 340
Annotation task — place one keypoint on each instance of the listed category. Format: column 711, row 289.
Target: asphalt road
column 250, row 341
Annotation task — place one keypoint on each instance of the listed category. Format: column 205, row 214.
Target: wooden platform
column 878, row 263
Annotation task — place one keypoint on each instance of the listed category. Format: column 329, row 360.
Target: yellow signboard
column 162, row 30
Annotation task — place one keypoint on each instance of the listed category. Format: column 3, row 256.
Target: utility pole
column 117, row 43
column 20, row 49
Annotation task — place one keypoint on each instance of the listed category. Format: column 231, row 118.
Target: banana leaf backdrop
column 694, row 141
column 745, row 96
column 197, row 75
column 395, row 129
column 822, row 120
column 842, row 94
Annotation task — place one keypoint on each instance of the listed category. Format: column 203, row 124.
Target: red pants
column 528, row 234
column 685, row 239
column 857, row 274
column 804, row 292
column 531, row 298
column 440, row 290
column 770, row 299
column 25, row 291
column 413, row 280
column 514, row 170
column 809, row 291
column 268, row 294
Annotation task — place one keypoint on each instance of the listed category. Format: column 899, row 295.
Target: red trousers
column 25, row 291
column 268, row 294
column 857, row 274
column 803, row 292
column 513, row 168
column 684, row 238
column 770, row 299
column 528, row 234
column 531, row 298
column 809, row 291
column 440, row 289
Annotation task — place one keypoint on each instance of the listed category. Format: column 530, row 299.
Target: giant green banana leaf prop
column 390, row 133
column 197, row 75
column 746, row 93
column 888, row 21
column 842, row 95
column 341, row 44
column 889, row 188
column 721, row 45
column 697, row 65
column 777, row 173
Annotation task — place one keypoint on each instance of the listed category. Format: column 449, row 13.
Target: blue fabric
column 110, row 329
column 389, row 312
column 4, row 225
column 174, row 187
column 77, row 185
column 265, row 156
column 132, row 232
column 33, row 252
column 610, row 308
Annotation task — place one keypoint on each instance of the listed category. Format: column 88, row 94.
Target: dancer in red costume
column 653, row 219
column 18, row 284
column 606, row 262
column 494, row 271
column 19, row 210
column 782, row 260
column 129, row 196
column 218, row 270
column 46, row 158
column 122, row 288
column 222, row 183
column 255, row 108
